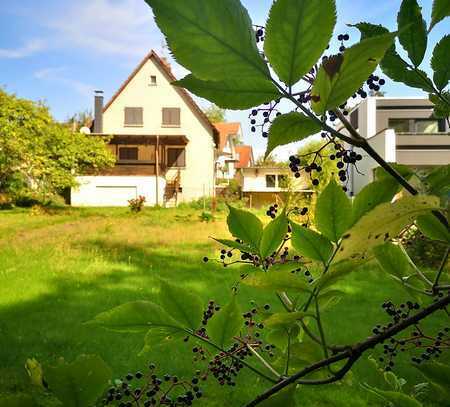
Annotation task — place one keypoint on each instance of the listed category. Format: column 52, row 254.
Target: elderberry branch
column 263, row 361
column 441, row 269
column 352, row 354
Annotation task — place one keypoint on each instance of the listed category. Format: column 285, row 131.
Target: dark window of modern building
column 399, row 125
column 354, row 120
column 271, row 181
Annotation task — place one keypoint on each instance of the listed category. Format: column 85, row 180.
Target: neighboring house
column 230, row 134
column 164, row 144
column 244, row 156
column 402, row 131
column 267, row 185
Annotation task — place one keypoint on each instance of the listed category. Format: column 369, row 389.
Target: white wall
column 198, row 176
column 115, row 191
column 255, row 181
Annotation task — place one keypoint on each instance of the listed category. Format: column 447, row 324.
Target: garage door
column 115, row 195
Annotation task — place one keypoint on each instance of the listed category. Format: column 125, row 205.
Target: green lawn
column 59, row 270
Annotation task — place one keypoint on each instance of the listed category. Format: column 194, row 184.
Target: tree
column 79, row 120
column 300, row 265
column 215, row 114
column 37, row 154
column 269, row 161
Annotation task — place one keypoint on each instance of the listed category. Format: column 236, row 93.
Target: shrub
column 136, row 205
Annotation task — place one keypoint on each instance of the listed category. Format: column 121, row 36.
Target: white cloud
column 57, row 75
column 29, row 48
column 124, row 27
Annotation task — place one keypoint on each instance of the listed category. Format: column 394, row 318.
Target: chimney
column 98, row 112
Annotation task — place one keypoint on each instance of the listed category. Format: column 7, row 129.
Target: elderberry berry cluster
column 272, row 211
column 149, row 389
column 259, row 33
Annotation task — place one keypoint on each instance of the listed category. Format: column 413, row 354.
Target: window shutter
column 134, row 116
column 171, row 116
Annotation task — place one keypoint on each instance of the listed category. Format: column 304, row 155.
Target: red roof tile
column 245, row 156
column 225, row 130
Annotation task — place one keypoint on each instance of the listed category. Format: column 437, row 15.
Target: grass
column 59, row 270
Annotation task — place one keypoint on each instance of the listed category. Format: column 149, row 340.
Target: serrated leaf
column 441, row 9
column 397, row 399
column 285, row 398
column 225, row 324
column 273, row 235
column 284, row 319
column 441, row 108
column 392, row 64
column 372, row 195
column 246, row 226
column 437, row 180
column 392, row 259
column 214, row 39
column 232, row 93
column 432, row 228
column 281, row 336
column 333, row 214
column 182, row 305
column 277, row 281
column 311, row 244
column 80, row 383
column 358, row 62
column 337, row 271
column 137, row 316
column 330, row 298
column 293, row 39
column 233, row 244
column 412, row 30
column 289, row 128
column 161, row 336
column 403, row 170
column 437, row 373
column 439, row 63
column 382, row 223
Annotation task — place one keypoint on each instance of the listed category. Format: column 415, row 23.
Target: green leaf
column 311, row 244
column 392, row 259
column 439, row 63
column 333, row 86
column 213, row 39
column 373, row 194
column 226, row 324
column 293, row 40
column 246, row 226
column 285, row 398
column 395, row 398
column 432, row 228
column 284, row 319
column 437, row 373
column 337, row 271
column 441, row 108
column 383, row 223
column 392, row 64
column 161, row 336
column 233, row 244
column 232, row 93
column 333, row 212
column 182, row 305
column 441, row 9
column 289, row 128
column 412, row 30
column 437, row 181
column 330, row 298
column 17, row 400
column 135, row 317
column 81, row 383
column 273, row 235
column 281, row 336
column 403, row 170
column 277, row 280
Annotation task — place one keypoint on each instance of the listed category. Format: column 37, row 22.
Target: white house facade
column 402, row 131
column 165, row 147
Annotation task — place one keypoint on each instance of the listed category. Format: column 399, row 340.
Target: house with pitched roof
column 229, row 136
column 165, row 146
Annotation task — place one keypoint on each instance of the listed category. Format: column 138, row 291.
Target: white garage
column 116, row 191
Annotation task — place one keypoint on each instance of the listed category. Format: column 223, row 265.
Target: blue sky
column 60, row 50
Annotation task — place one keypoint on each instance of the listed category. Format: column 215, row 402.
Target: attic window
column 152, row 80
column 134, row 116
